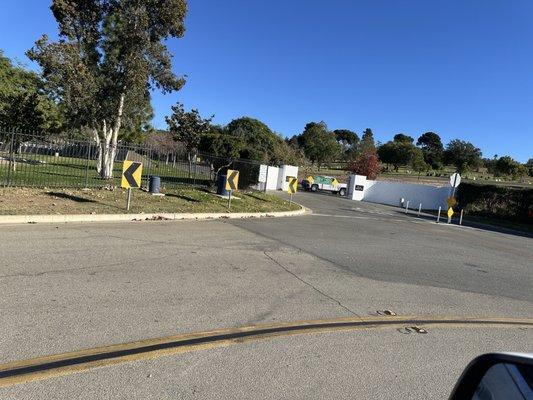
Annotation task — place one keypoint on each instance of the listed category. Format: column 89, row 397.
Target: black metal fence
column 34, row 160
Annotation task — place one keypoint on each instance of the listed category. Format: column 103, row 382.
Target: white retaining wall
column 272, row 178
column 284, row 172
column 392, row 193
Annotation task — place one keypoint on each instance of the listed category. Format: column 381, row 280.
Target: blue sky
column 463, row 69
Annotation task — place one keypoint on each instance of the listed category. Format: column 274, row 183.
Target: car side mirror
column 496, row 376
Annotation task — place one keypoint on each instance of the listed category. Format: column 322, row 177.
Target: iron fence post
column 11, row 158
column 89, row 148
column 194, row 173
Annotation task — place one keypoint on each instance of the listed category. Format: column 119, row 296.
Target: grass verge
column 33, row 201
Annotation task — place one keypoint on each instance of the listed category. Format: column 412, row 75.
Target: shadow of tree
column 70, row 197
column 183, row 197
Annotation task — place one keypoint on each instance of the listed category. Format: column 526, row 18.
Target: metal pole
column 438, row 215
column 419, row 209
column 290, row 201
column 229, row 200
column 195, row 169
column 129, row 200
column 461, row 218
column 11, row 158
column 406, row 206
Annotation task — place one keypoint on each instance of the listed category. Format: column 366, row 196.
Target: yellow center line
column 18, row 372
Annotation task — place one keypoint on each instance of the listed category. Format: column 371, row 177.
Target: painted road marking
column 68, row 363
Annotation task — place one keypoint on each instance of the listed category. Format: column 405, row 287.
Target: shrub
column 509, row 203
column 366, row 164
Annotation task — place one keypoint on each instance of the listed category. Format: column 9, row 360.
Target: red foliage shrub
column 367, row 164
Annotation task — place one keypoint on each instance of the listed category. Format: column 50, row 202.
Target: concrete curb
column 34, row 219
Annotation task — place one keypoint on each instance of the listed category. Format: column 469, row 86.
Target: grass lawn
column 32, row 201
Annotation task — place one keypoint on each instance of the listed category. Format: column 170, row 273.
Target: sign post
column 292, row 188
column 128, row 201
column 232, row 183
column 131, row 178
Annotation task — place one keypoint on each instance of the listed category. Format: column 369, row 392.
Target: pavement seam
column 310, row 284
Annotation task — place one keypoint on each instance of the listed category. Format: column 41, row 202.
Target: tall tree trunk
column 107, row 141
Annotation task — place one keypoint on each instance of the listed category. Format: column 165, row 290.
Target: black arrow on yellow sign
column 232, row 180
column 293, row 184
column 131, row 175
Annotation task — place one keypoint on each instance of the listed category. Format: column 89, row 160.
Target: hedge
column 510, row 203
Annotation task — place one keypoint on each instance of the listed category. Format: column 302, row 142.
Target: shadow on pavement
column 472, row 224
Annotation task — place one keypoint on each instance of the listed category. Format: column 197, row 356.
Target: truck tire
column 342, row 192
column 314, row 188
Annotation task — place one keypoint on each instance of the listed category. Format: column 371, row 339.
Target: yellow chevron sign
column 310, row 179
column 232, row 181
column 334, row 182
column 131, row 174
column 293, row 184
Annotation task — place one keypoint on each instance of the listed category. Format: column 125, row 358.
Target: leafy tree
column 367, row 141
column 163, row 143
column 319, row 144
column 463, row 155
column 401, row 138
column 397, row 153
column 529, row 167
column 432, row 147
column 507, row 166
column 348, row 141
column 23, row 103
column 367, row 164
column 188, row 127
column 387, row 153
column 490, row 164
column 251, row 139
column 110, row 55
column 259, row 142
column 220, row 143
column 417, row 161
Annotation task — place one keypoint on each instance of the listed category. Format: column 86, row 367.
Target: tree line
column 96, row 82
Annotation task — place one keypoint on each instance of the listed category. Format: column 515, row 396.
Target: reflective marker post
column 438, row 215
column 406, row 206
column 419, row 209
column 461, row 218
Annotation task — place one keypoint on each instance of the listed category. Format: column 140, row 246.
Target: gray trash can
column 155, row 184
column 221, row 185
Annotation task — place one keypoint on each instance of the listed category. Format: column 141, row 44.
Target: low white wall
column 356, row 187
column 272, row 178
column 284, row 172
column 391, row 193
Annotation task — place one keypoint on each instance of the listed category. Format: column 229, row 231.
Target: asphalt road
column 72, row 287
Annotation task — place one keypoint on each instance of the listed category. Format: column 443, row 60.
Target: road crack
column 310, row 284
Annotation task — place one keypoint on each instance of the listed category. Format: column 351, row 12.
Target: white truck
column 324, row 183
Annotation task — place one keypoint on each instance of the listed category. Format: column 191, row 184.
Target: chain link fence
column 34, row 160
